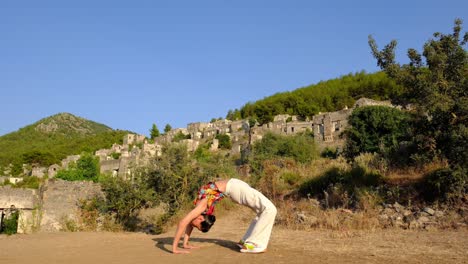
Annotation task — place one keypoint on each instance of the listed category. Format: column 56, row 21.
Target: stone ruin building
column 326, row 128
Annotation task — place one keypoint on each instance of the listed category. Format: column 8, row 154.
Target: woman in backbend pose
column 257, row 236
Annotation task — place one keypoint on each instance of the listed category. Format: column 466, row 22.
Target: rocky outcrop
column 396, row 215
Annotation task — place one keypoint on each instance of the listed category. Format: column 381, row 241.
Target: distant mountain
column 66, row 123
column 51, row 139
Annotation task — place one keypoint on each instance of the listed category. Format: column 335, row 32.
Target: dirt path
column 218, row 246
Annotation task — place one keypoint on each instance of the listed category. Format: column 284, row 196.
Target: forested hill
column 326, row 96
column 53, row 138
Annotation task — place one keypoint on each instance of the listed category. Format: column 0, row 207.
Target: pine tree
column 154, row 132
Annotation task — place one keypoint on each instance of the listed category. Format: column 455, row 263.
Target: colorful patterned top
column 211, row 192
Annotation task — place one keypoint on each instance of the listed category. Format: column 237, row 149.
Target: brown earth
column 218, row 246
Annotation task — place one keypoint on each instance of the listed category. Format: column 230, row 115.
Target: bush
column 115, row 155
column 124, row 198
column 300, row 147
column 446, row 185
column 290, row 178
column 31, row 182
column 331, row 153
column 85, row 169
column 376, row 129
column 344, row 186
column 224, row 141
column 10, row 224
column 202, row 154
column 173, row 177
column 180, row 136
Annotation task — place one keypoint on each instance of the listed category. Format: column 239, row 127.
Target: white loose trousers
column 260, row 229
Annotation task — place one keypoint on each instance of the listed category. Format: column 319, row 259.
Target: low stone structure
column 60, row 202
column 26, row 201
column 49, row 208
column 69, row 159
column 52, row 171
column 131, row 139
column 39, row 172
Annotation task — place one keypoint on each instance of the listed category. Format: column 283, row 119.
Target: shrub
column 376, row 129
column 224, row 141
column 342, row 187
column 173, row 177
column 124, row 198
column 31, row 182
column 10, row 224
column 180, row 136
column 86, row 168
column 271, row 182
column 447, row 185
column 300, row 147
column 290, row 178
column 68, row 224
column 331, row 153
column 115, row 155
column 90, row 210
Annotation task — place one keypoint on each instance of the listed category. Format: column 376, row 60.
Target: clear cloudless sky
column 129, row 64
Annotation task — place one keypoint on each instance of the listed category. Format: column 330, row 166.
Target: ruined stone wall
column 38, row 171
column 60, row 200
column 52, row 171
column 109, row 166
column 26, row 201
column 69, row 159
column 240, row 125
column 18, row 197
column 129, row 139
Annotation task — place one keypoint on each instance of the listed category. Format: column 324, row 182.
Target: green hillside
column 53, row 138
column 326, row 96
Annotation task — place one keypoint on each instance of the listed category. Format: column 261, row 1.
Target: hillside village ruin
column 46, row 208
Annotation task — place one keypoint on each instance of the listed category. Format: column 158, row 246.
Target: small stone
column 438, row 213
column 407, row 213
column 430, row 228
column 399, row 223
column 413, row 225
column 429, row 211
column 383, row 217
column 346, row 211
column 424, row 214
column 398, row 207
column 423, row 219
column 314, row 202
column 312, row 220
column 301, row 217
column 408, row 218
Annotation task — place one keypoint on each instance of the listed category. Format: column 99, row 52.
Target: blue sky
column 129, row 64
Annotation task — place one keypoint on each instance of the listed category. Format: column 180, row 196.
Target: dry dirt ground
column 218, row 246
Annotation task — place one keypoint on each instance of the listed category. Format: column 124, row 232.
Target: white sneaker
column 252, row 248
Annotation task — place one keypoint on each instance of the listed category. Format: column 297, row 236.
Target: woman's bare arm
column 188, row 232
column 184, row 223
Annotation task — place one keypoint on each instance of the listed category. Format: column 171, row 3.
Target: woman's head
column 204, row 222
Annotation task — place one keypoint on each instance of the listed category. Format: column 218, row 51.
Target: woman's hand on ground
column 177, row 251
column 191, row 247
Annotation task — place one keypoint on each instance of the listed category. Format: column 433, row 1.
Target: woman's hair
column 207, row 223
